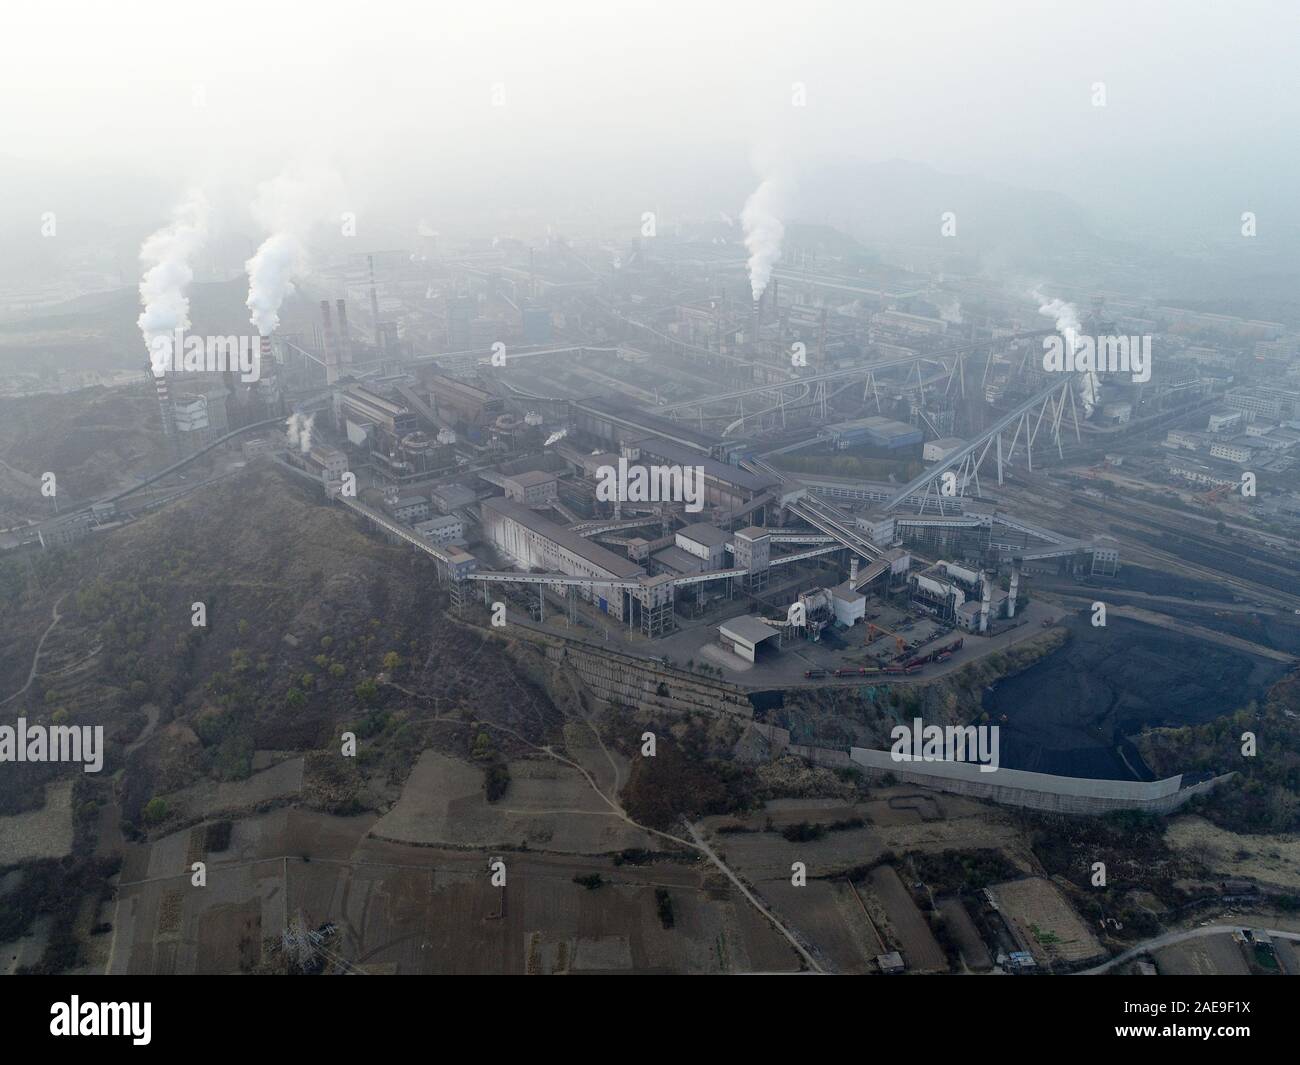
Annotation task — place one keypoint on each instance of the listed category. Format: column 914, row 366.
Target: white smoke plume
column 556, row 437
column 1066, row 317
column 168, row 255
column 270, row 279
column 298, row 428
column 949, row 309
column 289, row 208
column 764, row 232
column 1065, row 314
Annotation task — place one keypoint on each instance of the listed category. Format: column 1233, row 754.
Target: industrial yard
column 477, row 525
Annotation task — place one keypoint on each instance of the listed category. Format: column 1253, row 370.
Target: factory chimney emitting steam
column 163, row 294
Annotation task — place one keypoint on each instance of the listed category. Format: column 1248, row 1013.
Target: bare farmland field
column 548, row 805
column 1045, row 922
column 402, row 908
column 906, row 923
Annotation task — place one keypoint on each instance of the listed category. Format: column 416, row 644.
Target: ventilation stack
column 345, row 336
column 853, row 572
column 331, row 345
column 374, row 300
column 1015, row 587
column 986, row 599
column 164, row 404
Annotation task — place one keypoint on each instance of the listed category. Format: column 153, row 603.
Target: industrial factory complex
column 834, row 479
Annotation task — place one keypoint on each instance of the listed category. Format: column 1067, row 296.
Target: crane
column 873, row 630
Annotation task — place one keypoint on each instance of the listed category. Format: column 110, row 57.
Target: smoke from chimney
column 764, row 232
column 298, row 428
column 168, row 254
column 1066, row 317
column 288, row 208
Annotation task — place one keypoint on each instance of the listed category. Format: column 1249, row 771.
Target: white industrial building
column 746, row 634
column 705, row 542
column 938, row 450
column 850, row 606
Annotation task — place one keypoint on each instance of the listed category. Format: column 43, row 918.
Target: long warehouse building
column 534, row 542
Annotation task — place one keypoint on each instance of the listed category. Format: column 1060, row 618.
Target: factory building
column 676, row 562
column 1225, row 421
column 460, row 563
column 616, row 425
column 1231, row 451
column 448, row 497
column 362, row 406
column 410, row 508
column 460, row 402
column 725, row 486
column 1212, row 476
column 533, row 542
column 330, row 463
column 442, row 530
column 705, row 542
column 746, row 635
column 945, row 588
column 850, row 605
column 1270, row 403
column 938, row 450
column 753, row 550
column 532, row 487
column 190, row 413
column 875, row 431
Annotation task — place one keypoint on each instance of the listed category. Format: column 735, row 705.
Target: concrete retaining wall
column 1038, row 791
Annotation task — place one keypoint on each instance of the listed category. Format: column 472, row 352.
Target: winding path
column 36, row 658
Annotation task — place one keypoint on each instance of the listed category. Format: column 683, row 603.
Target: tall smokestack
column 345, row 337
column 164, row 404
column 986, row 600
column 374, row 299
column 1015, row 588
column 331, row 345
column 853, row 572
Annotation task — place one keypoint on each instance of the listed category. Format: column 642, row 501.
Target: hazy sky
column 652, row 99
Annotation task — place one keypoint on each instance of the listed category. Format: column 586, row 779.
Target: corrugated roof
column 601, row 557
